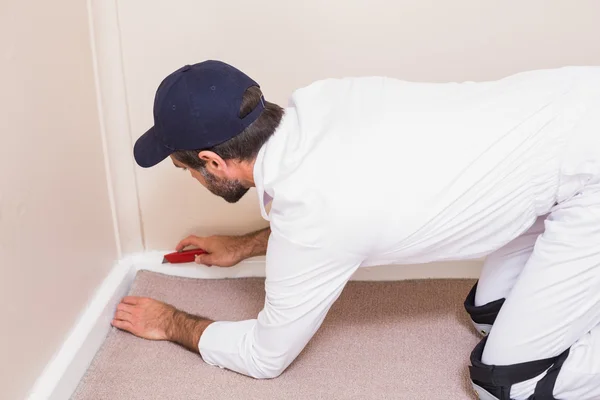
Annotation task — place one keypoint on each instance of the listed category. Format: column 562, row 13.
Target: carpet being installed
column 381, row 340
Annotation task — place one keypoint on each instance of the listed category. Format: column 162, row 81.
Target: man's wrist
column 255, row 243
column 186, row 329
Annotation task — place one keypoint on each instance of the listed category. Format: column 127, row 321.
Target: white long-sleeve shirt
column 372, row 171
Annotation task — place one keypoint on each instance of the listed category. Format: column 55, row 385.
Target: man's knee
column 483, row 317
column 494, row 382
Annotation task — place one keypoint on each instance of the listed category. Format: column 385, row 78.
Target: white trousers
column 550, row 277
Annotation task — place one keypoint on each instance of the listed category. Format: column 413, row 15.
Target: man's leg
column 578, row 378
column 498, row 276
column 553, row 307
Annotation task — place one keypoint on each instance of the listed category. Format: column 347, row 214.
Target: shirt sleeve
column 301, row 285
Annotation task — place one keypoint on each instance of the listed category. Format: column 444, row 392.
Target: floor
column 381, row 340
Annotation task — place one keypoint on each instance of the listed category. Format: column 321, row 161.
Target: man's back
column 417, row 172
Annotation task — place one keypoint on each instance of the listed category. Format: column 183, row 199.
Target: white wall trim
column 115, row 123
column 255, row 267
column 62, row 375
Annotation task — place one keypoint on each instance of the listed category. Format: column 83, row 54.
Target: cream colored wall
column 285, row 45
column 56, row 232
column 56, row 227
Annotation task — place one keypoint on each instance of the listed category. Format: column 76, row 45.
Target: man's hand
column 144, row 317
column 155, row 320
column 227, row 251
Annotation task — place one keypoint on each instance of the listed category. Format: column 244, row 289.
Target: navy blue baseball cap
column 196, row 107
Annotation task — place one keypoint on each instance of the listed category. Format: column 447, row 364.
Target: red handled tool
column 182, row 256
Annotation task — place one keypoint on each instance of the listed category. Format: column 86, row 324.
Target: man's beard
column 230, row 191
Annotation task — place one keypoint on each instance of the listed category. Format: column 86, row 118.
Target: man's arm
column 186, row 329
column 302, row 284
column 226, row 251
column 154, row 320
column 255, row 244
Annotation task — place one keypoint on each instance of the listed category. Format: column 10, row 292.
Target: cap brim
column 149, row 151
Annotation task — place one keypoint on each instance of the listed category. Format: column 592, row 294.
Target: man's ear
column 214, row 163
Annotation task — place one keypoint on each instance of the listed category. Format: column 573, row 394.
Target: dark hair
column 246, row 145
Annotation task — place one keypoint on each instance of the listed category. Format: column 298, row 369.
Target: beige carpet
column 381, row 340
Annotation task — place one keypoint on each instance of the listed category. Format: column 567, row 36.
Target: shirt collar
column 259, row 182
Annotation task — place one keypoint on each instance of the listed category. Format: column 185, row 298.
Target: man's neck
column 246, row 172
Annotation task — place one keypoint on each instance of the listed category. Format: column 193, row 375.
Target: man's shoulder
column 343, row 85
column 340, row 82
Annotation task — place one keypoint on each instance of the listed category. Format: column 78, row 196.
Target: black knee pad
column 484, row 316
column 493, row 382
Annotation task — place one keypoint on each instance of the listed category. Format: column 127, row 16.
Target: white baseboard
column 255, row 267
column 62, row 375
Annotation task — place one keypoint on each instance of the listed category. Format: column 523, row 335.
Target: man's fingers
column 189, row 241
column 122, row 315
column 125, row 325
column 204, row 259
column 133, row 300
column 184, row 243
column 128, row 308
